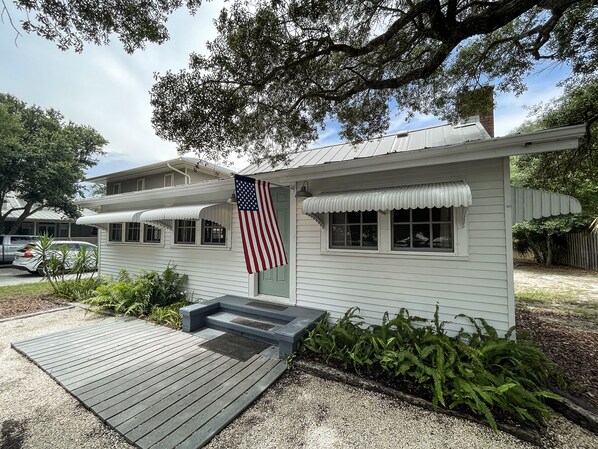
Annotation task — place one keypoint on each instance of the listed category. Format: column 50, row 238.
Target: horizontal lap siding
column 212, row 272
column 475, row 285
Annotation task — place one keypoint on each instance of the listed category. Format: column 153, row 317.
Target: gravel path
column 300, row 411
column 36, row 412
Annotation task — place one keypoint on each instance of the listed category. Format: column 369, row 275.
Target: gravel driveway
column 300, row 411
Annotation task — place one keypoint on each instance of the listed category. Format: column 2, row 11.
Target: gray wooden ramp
column 158, row 387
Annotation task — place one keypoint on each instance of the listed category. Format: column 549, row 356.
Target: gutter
column 557, row 139
column 538, row 142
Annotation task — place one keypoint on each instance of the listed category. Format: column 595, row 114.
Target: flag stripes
column 262, row 241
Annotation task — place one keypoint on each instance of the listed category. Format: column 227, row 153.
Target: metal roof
column 437, row 136
column 12, row 201
column 442, row 194
column 131, row 216
column 220, row 213
column 528, row 204
column 157, row 167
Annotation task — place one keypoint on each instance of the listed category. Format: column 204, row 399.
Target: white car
column 29, row 257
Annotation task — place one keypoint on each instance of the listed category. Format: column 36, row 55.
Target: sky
column 108, row 89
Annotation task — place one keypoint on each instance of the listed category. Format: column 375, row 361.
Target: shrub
column 78, row 289
column 138, row 295
column 480, row 371
column 168, row 315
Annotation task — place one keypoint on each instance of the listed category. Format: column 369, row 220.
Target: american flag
column 262, row 242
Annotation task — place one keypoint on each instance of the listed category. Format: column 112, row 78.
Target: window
column 115, row 232
column 212, row 233
column 168, row 180
column 184, row 231
column 152, row 234
column 63, row 230
column 133, row 232
column 116, row 188
column 427, row 229
column 141, row 184
column 354, row 230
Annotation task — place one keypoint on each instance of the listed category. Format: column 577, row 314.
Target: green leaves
column 478, row 371
column 158, row 296
column 280, row 71
column 43, row 158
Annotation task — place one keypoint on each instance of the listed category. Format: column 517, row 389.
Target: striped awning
column 220, row 213
column 528, row 204
column 102, row 220
column 442, row 194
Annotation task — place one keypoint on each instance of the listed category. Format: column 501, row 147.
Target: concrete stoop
column 276, row 324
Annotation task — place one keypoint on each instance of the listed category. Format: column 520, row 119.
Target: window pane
column 370, row 216
column 152, row 234
column 401, row 236
column 401, row 216
column 354, row 235
column 441, row 214
column 132, row 234
column 338, row 236
column 421, row 235
column 338, row 218
column 421, row 215
column 370, row 236
column 443, row 236
column 353, row 217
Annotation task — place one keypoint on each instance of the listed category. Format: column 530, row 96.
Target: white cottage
column 410, row 220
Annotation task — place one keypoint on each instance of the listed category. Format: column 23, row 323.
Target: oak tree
column 43, row 160
column 279, row 70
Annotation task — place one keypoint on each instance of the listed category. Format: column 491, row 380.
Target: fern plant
column 480, row 371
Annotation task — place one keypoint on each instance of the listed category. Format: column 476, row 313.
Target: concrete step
column 241, row 324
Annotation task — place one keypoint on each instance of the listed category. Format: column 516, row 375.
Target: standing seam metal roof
column 434, row 137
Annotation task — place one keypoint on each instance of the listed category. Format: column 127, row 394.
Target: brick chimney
column 477, row 104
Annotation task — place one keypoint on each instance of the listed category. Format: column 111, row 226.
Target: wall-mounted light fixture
column 303, row 192
column 232, row 199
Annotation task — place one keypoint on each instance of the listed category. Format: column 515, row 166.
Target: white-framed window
column 141, row 184
column 426, row 229
column 353, row 230
column 212, row 233
column 132, row 232
column 417, row 233
column 168, row 180
column 115, row 232
column 116, row 188
column 151, row 234
column 185, row 232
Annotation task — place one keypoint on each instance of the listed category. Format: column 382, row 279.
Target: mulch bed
column 572, row 342
column 24, row 305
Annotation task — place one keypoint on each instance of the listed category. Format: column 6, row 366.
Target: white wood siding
column 475, row 285
column 212, row 272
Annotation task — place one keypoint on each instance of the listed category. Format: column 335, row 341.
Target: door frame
column 253, row 283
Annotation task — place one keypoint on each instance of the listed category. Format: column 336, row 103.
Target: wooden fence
column 582, row 250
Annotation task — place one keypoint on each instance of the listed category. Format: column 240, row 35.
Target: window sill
column 135, row 244
column 196, row 246
column 396, row 254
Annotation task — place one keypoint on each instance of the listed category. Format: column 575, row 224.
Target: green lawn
column 37, row 288
column 564, row 300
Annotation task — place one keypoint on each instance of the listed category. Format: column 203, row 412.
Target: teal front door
column 275, row 282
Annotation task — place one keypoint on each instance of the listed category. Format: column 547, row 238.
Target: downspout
column 187, row 177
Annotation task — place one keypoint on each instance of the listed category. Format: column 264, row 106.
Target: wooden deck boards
column 157, row 387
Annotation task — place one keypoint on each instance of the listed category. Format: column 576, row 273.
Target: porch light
column 303, row 193
column 232, row 199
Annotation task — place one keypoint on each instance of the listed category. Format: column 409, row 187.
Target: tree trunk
column 549, row 249
column 17, row 224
